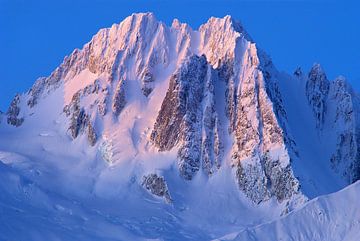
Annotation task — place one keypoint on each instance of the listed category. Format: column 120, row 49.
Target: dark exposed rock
column 102, row 106
column 36, row 91
column 260, row 129
column 317, row 89
column 355, row 165
column 298, row 72
column 79, row 120
column 344, row 155
column 91, row 134
column 119, row 99
column 156, row 185
column 345, row 159
column 343, row 99
column 226, row 74
column 252, row 181
column 180, row 116
column 13, row 113
column 280, row 179
column 263, row 177
column 147, row 80
column 212, row 146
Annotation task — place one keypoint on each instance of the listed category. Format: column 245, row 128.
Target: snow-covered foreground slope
column 43, row 203
column 334, row 217
column 170, row 133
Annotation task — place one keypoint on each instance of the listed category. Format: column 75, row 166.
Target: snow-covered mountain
column 170, row 133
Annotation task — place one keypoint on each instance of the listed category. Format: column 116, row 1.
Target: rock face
column 261, row 150
column 182, row 118
column 14, row 112
column 91, row 134
column 119, row 98
column 345, row 160
column 147, row 81
column 335, row 105
column 80, row 121
column 179, row 118
column 317, row 89
column 156, row 185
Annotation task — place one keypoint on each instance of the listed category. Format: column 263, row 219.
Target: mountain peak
column 149, row 16
column 316, row 68
column 318, row 75
column 227, row 23
column 298, row 72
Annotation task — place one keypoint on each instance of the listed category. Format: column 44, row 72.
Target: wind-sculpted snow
column 183, row 125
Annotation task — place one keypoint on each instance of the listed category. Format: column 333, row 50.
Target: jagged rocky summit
column 208, row 98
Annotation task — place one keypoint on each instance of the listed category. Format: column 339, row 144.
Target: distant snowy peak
column 336, row 111
column 345, row 120
column 210, row 96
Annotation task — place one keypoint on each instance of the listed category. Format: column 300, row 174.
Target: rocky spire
column 317, row 89
column 13, row 113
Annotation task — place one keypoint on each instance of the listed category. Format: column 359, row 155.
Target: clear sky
column 36, row 35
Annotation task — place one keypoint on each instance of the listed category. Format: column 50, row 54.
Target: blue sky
column 36, row 35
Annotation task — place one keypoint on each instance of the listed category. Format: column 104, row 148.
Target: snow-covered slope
column 190, row 129
column 332, row 217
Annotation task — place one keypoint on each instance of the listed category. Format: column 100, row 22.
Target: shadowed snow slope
column 332, row 217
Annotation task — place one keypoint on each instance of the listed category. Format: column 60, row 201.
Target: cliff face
column 345, row 158
column 317, row 90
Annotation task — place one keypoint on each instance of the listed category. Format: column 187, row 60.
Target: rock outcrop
column 157, row 186
column 185, row 122
column 179, row 119
column 346, row 158
column 80, row 121
column 119, row 101
column 317, row 90
column 13, row 113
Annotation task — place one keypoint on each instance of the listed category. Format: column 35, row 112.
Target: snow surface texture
column 170, row 133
